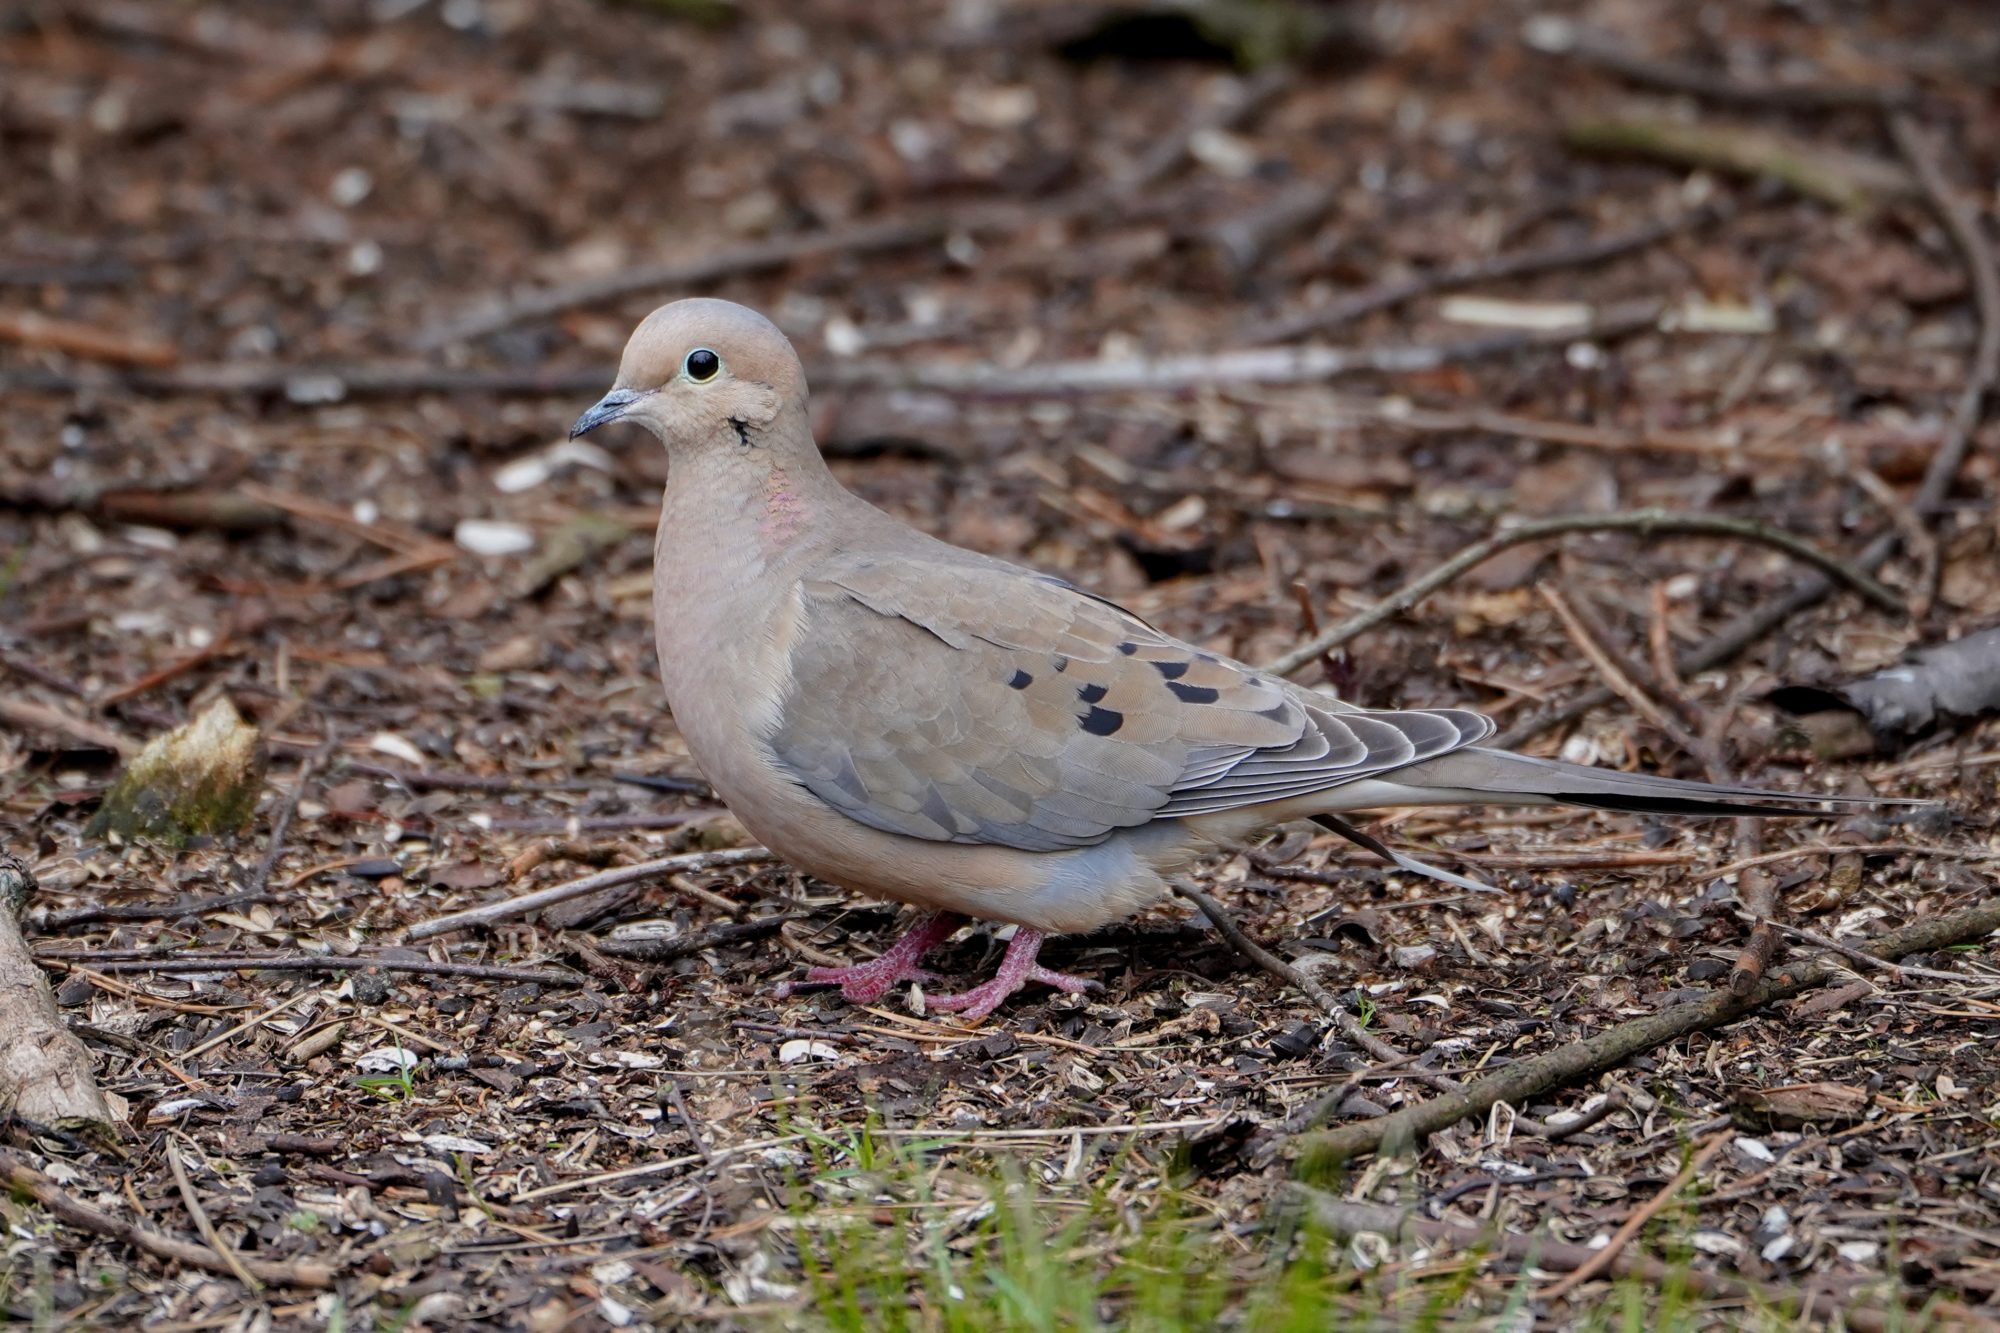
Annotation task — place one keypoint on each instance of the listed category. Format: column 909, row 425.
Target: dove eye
column 702, row 365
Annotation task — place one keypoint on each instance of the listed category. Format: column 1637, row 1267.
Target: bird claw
column 864, row 983
column 983, row 999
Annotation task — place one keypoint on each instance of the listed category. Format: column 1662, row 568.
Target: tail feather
column 1477, row 773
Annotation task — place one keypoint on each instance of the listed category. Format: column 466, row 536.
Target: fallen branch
column 1320, row 1154
column 1644, row 521
column 1474, row 272
column 278, row 1273
column 1250, row 365
column 1561, row 37
column 1847, row 180
column 1963, row 225
column 315, row 385
column 45, row 1072
column 521, row 905
column 1167, row 374
column 424, row 779
column 181, row 962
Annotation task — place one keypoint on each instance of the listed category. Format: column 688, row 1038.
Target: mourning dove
column 920, row 722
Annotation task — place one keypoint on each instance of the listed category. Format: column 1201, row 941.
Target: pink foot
column 1017, row 969
column 866, row 983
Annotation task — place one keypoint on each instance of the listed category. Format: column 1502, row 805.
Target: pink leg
column 866, row 983
column 1017, row 969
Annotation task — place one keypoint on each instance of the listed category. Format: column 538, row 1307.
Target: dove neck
column 744, row 505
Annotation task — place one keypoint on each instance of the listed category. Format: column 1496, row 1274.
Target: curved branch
column 1319, row 1155
column 1643, row 521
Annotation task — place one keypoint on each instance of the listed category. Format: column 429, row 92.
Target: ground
column 283, row 424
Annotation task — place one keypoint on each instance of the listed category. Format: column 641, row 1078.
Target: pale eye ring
column 702, row 365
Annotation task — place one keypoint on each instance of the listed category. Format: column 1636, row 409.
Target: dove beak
column 610, row 407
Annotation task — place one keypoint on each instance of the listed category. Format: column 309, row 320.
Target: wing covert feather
column 962, row 699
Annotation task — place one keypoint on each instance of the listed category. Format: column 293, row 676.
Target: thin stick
column 1646, row 522
column 1320, row 1154
column 1249, row 365
column 1964, row 227
column 283, row 823
column 1560, row 37
column 1616, row 675
column 1866, row 959
column 40, row 717
column 1321, row 998
column 296, row 1273
column 521, row 905
column 1473, row 272
column 646, row 950
column 189, row 1055
column 183, row 963
column 1641, row 1215
column 230, row 1258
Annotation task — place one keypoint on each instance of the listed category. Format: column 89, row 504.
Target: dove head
column 705, row 375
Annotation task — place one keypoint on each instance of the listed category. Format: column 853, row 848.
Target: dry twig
column 1644, row 1213
column 1644, row 521
column 184, row 962
column 1322, row 999
column 521, row 905
column 232, row 1261
column 1561, row 37
column 1474, row 272
column 277, row 1273
column 1320, row 1153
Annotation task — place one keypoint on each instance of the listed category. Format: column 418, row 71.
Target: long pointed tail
column 1476, row 775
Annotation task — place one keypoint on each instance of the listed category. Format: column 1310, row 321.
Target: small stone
column 1412, row 955
column 201, row 778
column 370, row 988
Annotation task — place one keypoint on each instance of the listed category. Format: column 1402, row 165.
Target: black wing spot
column 1020, row 680
column 1090, row 694
column 1193, row 694
column 1101, row 721
column 1128, row 647
column 1061, row 662
column 1171, row 670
